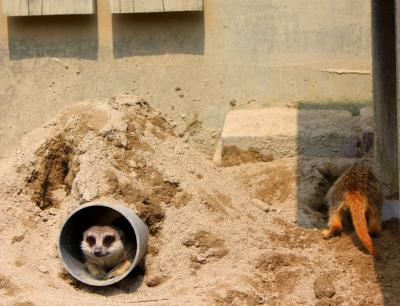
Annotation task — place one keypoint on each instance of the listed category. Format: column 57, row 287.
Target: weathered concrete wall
column 257, row 52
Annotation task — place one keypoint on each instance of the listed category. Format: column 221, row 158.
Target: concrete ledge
column 271, row 133
column 151, row 6
column 47, row 7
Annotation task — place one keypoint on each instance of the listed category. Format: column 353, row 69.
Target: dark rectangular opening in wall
column 158, row 33
column 53, row 36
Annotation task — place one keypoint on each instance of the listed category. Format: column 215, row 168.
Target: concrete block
column 272, row 133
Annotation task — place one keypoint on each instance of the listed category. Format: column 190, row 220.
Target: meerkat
column 105, row 251
column 356, row 190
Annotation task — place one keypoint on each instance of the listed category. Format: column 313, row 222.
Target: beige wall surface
column 256, row 52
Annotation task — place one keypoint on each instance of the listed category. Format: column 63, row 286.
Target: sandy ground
column 242, row 235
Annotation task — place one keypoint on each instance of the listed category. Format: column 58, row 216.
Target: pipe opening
column 71, row 235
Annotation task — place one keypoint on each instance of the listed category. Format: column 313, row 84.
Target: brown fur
column 356, row 190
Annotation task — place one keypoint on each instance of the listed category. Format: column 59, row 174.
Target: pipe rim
column 100, row 283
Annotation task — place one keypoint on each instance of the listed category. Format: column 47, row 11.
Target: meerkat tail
column 358, row 205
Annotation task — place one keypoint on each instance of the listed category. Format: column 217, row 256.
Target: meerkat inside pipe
column 99, row 244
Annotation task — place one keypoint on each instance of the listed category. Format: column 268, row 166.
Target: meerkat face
column 101, row 241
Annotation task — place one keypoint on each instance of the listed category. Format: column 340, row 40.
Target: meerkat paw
column 326, row 233
column 100, row 276
column 375, row 234
column 375, row 230
column 330, row 232
column 96, row 271
column 109, row 276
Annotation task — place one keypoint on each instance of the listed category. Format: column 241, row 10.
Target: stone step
column 271, row 133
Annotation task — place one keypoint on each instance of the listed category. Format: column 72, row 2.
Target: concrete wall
column 257, row 52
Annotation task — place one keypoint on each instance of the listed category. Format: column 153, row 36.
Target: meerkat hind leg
column 374, row 223
column 95, row 270
column 335, row 223
column 119, row 270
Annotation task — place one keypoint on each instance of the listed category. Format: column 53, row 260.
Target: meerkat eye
column 91, row 240
column 108, row 240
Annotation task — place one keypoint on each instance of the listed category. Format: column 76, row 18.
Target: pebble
column 43, row 269
column 201, row 259
column 18, row 238
column 323, row 287
column 44, row 216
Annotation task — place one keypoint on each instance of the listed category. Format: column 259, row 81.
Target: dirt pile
column 229, row 236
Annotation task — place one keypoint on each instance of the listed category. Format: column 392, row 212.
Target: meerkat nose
column 97, row 252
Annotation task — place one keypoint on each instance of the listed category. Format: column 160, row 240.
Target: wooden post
column 397, row 25
column 385, row 91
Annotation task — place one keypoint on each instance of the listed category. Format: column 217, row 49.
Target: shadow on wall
column 53, row 36
column 157, row 34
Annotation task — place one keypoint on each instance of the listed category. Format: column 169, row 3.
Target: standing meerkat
column 105, row 252
column 356, row 190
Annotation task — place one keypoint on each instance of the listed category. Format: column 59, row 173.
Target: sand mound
column 231, row 236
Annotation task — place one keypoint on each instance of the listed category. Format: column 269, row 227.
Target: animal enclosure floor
column 242, row 235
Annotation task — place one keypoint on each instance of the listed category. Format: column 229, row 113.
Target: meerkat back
column 356, row 190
